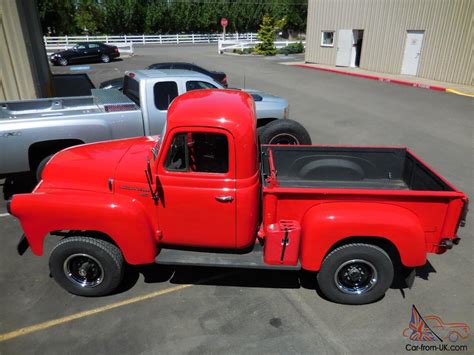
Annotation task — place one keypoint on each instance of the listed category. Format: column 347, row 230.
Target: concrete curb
column 386, row 80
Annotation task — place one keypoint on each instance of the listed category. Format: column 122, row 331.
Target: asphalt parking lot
column 211, row 310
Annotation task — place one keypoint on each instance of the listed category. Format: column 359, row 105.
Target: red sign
column 224, row 22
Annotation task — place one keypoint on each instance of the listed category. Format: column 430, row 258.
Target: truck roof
column 160, row 73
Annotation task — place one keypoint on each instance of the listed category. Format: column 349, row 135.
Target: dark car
column 85, row 52
column 219, row 77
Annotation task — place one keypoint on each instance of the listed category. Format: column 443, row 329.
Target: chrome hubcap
column 83, row 270
column 355, row 277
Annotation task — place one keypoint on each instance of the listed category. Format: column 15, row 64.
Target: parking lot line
column 4, row 214
column 58, row 321
column 54, row 322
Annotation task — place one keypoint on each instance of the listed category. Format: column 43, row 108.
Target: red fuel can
column 282, row 243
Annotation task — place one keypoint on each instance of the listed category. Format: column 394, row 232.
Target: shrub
column 266, row 35
column 292, row 48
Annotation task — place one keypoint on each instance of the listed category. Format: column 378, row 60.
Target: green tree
column 119, row 16
column 266, row 34
column 156, row 16
column 88, row 17
column 57, row 16
column 294, row 14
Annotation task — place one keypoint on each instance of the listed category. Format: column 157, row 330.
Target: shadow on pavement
column 239, row 277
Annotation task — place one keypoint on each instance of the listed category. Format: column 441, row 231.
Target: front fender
column 122, row 218
column 326, row 224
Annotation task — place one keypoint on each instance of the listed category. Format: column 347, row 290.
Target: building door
column 344, row 48
column 412, row 54
column 356, row 47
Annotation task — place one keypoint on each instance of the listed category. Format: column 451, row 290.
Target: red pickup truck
column 206, row 193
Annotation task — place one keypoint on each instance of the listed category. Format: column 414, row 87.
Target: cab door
column 196, row 176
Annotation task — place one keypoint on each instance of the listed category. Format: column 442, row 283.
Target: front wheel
column 63, row 62
column 41, row 166
column 284, row 131
column 355, row 274
column 87, row 266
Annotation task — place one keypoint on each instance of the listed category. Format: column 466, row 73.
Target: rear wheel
column 105, row 58
column 284, row 131
column 355, row 274
column 87, row 266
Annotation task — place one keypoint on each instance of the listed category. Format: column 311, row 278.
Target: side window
column 177, row 155
column 81, row 46
column 196, row 85
column 164, row 93
column 93, row 46
column 199, row 152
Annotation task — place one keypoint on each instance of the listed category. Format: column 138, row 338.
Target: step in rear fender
column 121, row 218
column 326, row 224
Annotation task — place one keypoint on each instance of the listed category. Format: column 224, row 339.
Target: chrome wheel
column 105, row 58
column 83, row 270
column 63, row 62
column 284, row 138
column 355, row 277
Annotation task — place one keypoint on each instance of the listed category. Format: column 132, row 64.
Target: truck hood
column 87, row 167
column 263, row 96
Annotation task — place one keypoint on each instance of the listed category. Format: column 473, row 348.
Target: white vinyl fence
column 230, row 45
column 149, row 39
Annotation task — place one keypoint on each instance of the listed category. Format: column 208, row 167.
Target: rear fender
column 330, row 223
column 123, row 219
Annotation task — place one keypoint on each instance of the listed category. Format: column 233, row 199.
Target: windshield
column 156, row 147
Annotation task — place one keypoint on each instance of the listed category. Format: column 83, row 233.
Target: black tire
column 63, row 62
column 284, row 131
column 41, row 165
column 105, row 58
column 87, row 266
column 356, row 274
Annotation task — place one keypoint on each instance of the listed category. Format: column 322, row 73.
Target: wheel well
column 264, row 121
column 88, row 234
column 40, row 150
column 380, row 242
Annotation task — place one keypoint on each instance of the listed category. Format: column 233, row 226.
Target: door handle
column 224, row 198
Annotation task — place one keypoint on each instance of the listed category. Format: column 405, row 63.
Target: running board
column 251, row 260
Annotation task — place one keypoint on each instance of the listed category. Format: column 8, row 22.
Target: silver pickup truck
column 32, row 131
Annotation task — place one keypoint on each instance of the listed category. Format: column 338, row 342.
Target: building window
column 327, row 38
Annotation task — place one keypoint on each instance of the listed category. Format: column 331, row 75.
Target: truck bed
column 372, row 168
column 100, row 101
